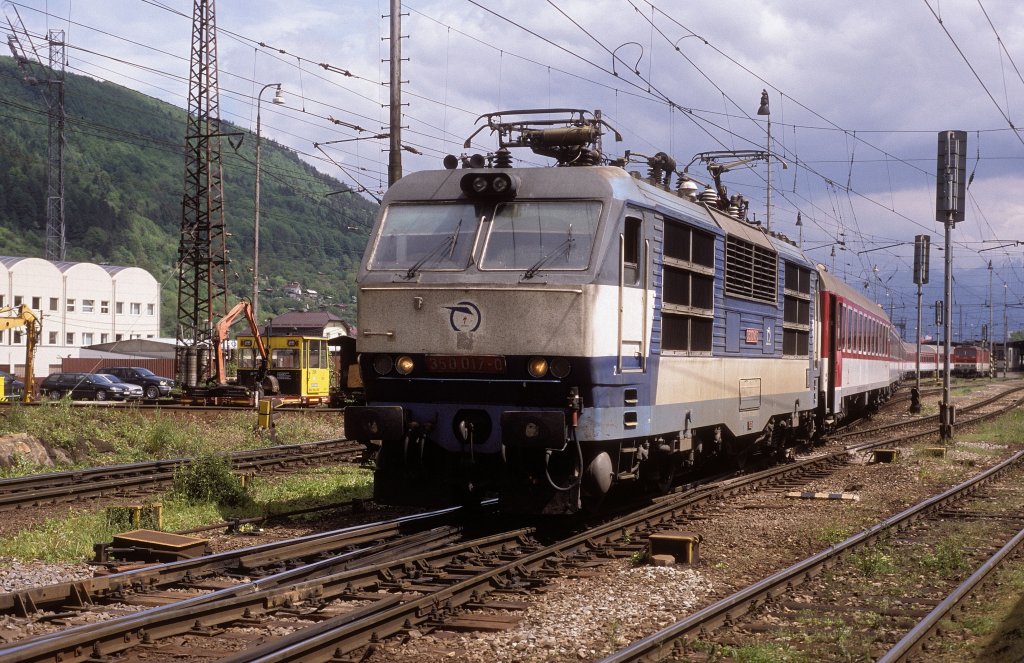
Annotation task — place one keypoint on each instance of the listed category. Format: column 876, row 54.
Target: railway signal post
column 921, row 246
column 951, row 191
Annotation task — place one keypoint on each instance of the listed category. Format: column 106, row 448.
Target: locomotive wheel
column 658, row 479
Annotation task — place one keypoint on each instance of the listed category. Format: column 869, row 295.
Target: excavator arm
column 220, row 334
column 24, row 317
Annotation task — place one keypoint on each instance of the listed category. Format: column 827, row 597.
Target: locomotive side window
column 689, row 289
column 631, row 250
column 541, row 236
column 796, row 321
column 425, row 237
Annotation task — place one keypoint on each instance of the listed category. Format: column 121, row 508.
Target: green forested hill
column 123, row 186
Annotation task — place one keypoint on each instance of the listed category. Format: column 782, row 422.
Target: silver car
column 133, row 392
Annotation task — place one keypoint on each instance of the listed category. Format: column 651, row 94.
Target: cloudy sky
column 858, row 93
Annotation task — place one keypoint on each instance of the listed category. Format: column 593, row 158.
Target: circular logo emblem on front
column 464, row 317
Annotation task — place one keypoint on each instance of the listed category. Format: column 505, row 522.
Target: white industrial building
column 80, row 304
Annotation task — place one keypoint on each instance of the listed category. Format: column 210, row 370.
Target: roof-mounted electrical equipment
column 570, row 136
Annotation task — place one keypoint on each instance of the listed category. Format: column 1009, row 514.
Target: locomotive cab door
column 633, row 295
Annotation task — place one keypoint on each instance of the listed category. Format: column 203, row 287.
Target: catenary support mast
column 202, row 261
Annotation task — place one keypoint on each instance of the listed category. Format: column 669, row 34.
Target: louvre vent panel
column 750, row 271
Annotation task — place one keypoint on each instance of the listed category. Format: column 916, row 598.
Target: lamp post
column 278, row 99
column 764, row 110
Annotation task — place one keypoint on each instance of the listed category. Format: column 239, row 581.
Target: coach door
column 633, row 276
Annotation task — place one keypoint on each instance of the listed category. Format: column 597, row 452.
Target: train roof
column 834, row 284
column 594, row 182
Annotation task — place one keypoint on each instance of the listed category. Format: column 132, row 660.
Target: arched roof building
column 80, row 304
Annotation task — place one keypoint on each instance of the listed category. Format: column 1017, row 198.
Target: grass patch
column 755, row 653
column 1006, row 430
column 873, row 562
column 947, row 558
column 65, row 539
column 834, row 533
column 69, row 538
column 101, row 436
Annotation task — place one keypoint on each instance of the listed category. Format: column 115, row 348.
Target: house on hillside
column 293, row 290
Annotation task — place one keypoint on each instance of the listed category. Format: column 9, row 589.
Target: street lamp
column 278, row 99
column 764, row 110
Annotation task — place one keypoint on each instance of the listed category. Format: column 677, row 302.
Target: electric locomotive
column 553, row 334
column 971, row 361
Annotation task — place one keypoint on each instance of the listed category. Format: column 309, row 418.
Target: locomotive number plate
column 465, row 364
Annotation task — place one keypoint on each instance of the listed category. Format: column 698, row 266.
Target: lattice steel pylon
column 202, row 255
column 50, row 79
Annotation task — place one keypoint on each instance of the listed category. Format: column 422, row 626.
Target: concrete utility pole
column 395, row 121
column 989, row 334
column 278, row 99
column 1006, row 336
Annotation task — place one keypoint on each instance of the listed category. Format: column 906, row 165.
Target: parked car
column 152, row 384
column 13, row 387
column 134, row 391
column 81, row 386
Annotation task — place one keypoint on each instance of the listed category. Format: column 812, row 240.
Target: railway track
column 762, row 611
column 334, row 612
column 337, row 610
column 980, row 411
column 115, row 480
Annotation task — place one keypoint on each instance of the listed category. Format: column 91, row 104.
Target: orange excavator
column 24, row 317
column 221, row 392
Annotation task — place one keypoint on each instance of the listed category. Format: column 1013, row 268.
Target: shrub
column 208, row 478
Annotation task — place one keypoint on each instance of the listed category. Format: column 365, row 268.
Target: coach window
column 688, row 291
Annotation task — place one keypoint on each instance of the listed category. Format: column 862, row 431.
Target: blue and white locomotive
column 551, row 333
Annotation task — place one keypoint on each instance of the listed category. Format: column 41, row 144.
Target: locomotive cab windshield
column 524, row 236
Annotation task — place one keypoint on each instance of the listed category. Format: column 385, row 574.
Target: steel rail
column 89, row 590
column 922, row 420
column 245, row 602
column 663, row 643
column 64, row 486
column 924, row 629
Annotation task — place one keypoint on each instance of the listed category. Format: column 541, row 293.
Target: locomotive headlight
column 479, row 184
column 382, row 364
column 537, row 367
column 560, row 367
column 500, row 184
column 404, row 365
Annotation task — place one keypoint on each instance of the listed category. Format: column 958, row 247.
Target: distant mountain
column 123, row 187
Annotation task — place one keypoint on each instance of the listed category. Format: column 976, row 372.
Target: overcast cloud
column 858, row 93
